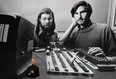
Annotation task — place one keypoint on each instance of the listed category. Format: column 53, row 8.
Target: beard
column 45, row 29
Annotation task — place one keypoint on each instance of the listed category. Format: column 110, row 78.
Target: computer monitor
column 16, row 44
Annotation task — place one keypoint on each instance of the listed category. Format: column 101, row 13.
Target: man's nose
column 47, row 21
column 80, row 16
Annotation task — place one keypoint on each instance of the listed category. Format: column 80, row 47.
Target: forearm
column 67, row 33
column 112, row 59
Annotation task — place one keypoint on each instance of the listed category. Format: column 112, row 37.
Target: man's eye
column 49, row 18
column 76, row 13
column 83, row 12
column 43, row 18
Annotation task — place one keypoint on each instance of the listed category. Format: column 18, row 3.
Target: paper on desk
column 40, row 49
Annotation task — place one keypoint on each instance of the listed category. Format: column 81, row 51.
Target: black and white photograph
column 58, row 39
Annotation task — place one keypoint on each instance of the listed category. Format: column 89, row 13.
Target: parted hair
column 86, row 5
column 45, row 11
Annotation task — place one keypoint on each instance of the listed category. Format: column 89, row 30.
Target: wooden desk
column 41, row 63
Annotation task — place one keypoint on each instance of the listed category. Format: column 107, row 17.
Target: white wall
column 29, row 9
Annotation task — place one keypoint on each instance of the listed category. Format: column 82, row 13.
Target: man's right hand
column 74, row 23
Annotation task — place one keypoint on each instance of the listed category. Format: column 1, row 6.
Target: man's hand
column 32, row 71
column 96, row 51
column 74, row 23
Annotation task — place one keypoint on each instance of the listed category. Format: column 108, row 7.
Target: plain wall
column 30, row 9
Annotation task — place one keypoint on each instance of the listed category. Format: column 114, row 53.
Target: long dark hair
column 45, row 11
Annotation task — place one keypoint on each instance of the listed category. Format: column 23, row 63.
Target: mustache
column 80, row 19
column 48, row 24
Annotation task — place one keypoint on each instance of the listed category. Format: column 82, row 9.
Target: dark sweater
column 96, row 35
column 30, row 69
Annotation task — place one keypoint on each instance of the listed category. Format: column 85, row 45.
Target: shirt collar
column 87, row 28
column 40, row 32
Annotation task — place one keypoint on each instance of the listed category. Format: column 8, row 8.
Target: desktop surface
column 40, row 57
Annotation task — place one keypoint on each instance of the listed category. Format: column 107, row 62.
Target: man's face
column 33, row 61
column 81, row 16
column 46, row 20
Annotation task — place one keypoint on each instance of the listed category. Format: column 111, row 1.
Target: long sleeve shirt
column 96, row 35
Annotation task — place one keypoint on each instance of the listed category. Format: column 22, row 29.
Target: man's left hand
column 96, row 51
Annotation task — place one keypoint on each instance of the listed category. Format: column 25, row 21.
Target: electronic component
column 102, row 63
column 60, row 62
